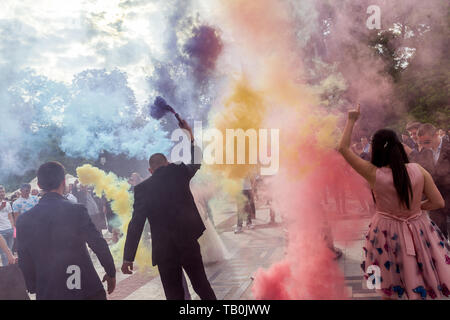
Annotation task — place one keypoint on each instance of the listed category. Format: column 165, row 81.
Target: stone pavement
column 250, row 250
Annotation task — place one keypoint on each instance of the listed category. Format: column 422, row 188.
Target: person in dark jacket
column 439, row 150
column 52, row 240
column 165, row 199
column 86, row 197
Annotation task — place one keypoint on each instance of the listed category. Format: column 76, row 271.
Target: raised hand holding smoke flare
column 159, row 108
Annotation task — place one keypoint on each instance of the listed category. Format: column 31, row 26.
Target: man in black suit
column 52, row 240
column 440, row 150
column 165, row 199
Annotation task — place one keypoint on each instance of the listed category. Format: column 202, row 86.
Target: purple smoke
column 159, row 108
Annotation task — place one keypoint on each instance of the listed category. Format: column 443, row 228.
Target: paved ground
column 250, row 250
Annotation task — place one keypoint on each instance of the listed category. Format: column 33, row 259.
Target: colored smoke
column 117, row 191
column 159, row 108
column 80, row 76
column 76, row 79
column 307, row 137
column 203, row 48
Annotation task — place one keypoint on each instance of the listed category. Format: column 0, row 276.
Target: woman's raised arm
column 366, row 169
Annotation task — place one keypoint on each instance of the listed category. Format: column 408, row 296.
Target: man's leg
column 249, row 218
column 250, row 203
column 248, row 208
column 8, row 236
column 4, row 258
column 170, row 274
column 193, row 265
column 187, row 294
column 272, row 215
column 101, row 295
column 239, row 219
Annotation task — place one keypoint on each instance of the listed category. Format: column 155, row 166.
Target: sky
column 61, row 38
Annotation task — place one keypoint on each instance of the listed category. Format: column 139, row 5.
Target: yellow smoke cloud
column 243, row 109
column 273, row 92
column 116, row 191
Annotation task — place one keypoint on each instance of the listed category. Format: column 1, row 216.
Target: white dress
column 211, row 245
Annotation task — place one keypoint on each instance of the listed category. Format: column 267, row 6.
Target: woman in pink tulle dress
column 410, row 251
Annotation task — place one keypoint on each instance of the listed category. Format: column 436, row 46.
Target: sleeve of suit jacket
column 97, row 243
column 442, row 172
column 136, row 225
column 26, row 263
column 192, row 168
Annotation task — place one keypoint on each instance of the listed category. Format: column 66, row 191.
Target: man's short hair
column 2, row 187
column 412, row 125
column 25, row 186
column 50, row 175
column 426, row 128
column 157, row 160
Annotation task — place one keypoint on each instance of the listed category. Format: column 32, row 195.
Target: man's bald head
column 156, row 161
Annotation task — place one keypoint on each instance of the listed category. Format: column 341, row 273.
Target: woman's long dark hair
column 387, row 150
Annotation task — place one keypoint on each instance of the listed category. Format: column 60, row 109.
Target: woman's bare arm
column 434, row 198
column 366, row 169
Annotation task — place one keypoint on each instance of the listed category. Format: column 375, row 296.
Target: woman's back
column 387, row 199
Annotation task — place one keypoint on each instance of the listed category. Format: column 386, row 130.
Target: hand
column 127, row 267
column 407, row 149
column 11, row 258
column 354, row 114
column 111, row 282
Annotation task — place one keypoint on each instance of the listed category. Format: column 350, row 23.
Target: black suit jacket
column 53, row 236
column 424, row 158
column 165, row 199
column 441, row 172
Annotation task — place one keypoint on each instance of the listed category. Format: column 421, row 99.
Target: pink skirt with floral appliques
column 412, row 254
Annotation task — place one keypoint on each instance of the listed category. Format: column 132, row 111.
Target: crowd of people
column 408, row 177
column 21, row 201
column 430, row 147
column 56, row 223
column 407, row 238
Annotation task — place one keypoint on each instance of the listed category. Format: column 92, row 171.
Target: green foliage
column 421, row 89
column 51, row 152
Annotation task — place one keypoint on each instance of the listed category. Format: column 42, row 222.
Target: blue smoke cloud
column 71, row 83
column 103, row 115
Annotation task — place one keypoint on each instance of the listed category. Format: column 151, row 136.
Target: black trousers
column 246, row 210
column 251, row 202
column 189, row 258
column 100, row 295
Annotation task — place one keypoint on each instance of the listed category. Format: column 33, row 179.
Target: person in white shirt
column 6, row 227
column 25, row 202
